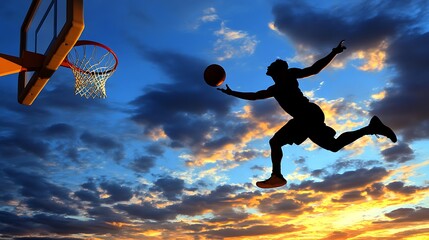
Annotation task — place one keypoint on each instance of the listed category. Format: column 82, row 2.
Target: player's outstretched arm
column 246, row 95
column 321, row 63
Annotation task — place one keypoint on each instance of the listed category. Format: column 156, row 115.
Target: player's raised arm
column 321, row 63
column 247, row 95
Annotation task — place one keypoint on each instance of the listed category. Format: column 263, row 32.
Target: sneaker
column 272, row 182
column 377, row 127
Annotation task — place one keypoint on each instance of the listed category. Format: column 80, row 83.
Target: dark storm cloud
column 347, row 180
column 38, row 194
column 245, row 155
column 19, row 144
column 41, row 224
column 187, row 92
column 325, row 27
column 90, row 185
column 399, row 187
column 399, row 153
column 116, row 192
column 147, row 211
column 143, row 164
column 155, row 149
column 280, row 204
column 60, row 130
column 223, row 197
column 105, row 214
column 228, row 215
column 409, row 214
column 88, row 196
column 351, row 196
column 50, row 206
column 107, row 144
column 46, row 238
column 186, row 108
column 171, row 188
column 216, row 201
column 53, row 203
column 255, row 230
column 319, row 172
column 268, row 111
column 307, row 198
column 343, row 164
column 405, row 104
column 36, row 186
column 376, row 190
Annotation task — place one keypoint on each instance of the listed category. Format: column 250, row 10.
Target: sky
column 166, row 156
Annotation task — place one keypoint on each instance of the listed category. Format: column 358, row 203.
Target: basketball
column 214, row 75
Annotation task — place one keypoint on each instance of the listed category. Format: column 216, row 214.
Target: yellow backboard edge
column 56, row 53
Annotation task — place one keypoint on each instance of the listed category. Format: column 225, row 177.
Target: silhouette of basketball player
column 308, row 119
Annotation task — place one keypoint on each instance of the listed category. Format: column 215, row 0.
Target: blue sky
column 166, row 156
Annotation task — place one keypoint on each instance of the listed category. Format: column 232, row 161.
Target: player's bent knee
column 277, row 143
column 330, row 146
column 333, row 148
column 273, row 142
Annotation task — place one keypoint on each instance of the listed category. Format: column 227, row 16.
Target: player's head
column 276, row 67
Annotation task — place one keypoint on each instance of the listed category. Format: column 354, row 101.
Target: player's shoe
column 272, row 182
column 377, row 127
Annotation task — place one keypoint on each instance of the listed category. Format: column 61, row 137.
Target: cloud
column 398, row 153
column 230, row 43
column 50, row 206
column 234, row 43
column 281, row 204
column 19, row 144
column 189, row 115
column 402, row 107
column 106, row 214
column 228, row 215
column 351, row 196
column 345, row 181
column 116, row 192
column 36, row 186
column 403, row 215
column 221, row 197
column 60, row 130
column 146, row 211
column 376, row 190
column 105, row 143
column 143, row 164
column 360, row 32
column 398, row 187
column 88, row 196
column 255, row 230
column 171, row 188
column 209, row 15
column 41, row 224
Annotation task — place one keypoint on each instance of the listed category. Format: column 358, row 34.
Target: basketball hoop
column 92, row 64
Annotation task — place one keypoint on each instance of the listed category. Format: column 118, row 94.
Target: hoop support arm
column 29, row 62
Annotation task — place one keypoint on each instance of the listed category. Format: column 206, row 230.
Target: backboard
column 50, row 30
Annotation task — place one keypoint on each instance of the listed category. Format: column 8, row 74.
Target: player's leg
column 378, row 128
column 325, row 139
column 288, row 134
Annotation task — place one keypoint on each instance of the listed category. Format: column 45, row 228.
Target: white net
column 92, row 65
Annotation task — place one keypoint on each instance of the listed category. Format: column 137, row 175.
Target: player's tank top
column 289, row 96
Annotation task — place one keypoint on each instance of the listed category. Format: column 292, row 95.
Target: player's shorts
column 310, row 122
